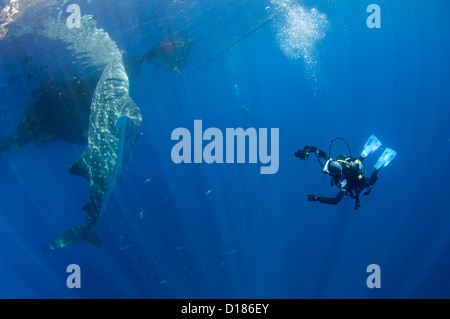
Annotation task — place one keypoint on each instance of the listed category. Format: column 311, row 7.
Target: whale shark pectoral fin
column 77, row 235
column 131, row 110
column 80, row 168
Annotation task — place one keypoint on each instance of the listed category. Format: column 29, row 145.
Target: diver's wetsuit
column 354, row 187
column 349, row 182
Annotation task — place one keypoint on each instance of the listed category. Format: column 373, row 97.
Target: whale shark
column 112, row 114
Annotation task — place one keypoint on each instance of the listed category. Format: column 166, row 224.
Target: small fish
column 163, row 282
column 181, row 247
column 208, row 192
column 26, row 59
column 229, row 252
column 141, row 214
column 126, row 246
column 165, row 199
column 147, row 180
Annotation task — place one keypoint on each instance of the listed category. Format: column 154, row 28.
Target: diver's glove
column 313, row 198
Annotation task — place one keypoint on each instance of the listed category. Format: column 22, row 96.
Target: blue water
column 225, row 230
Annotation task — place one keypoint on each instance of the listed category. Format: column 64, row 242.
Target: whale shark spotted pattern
column 112, row 112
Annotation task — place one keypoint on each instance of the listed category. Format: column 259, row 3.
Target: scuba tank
column 351, row 167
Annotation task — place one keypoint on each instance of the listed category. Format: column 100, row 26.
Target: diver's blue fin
column 77, row 235
column 385, row 158
column 371, row 146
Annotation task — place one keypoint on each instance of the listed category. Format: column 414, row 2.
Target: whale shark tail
column 77, row 235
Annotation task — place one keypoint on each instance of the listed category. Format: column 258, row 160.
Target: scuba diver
column 347, row 172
